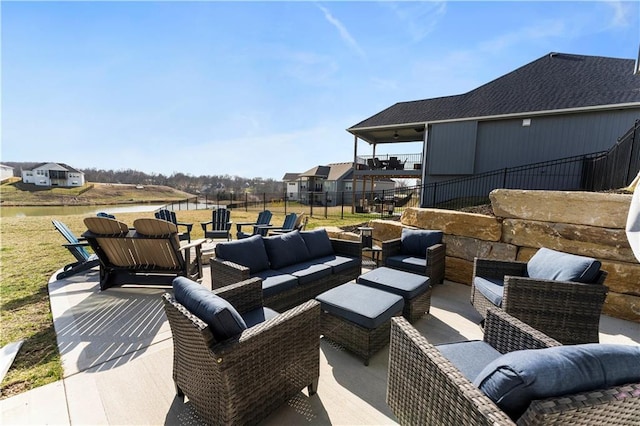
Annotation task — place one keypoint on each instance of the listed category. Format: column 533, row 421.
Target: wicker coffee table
column 358, row 317
column 414, row 288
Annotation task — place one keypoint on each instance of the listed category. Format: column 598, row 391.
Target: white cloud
column 540, row 31
column 621, row 13
column 344, row 33
column 419, row 19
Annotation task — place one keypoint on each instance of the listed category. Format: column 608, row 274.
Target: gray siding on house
column 506, row 143
column 452, row 148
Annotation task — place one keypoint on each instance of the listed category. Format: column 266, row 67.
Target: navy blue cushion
column 362, row 305
column 221, row 317
column 259, row 315
column 274, row 282
column 470, row 357
column 517, row 378
column 408, row 263
column 286, row 249
column 549, row 264
column 491, row 288
column 416, row 241
column 318, row 243
column 405, row 284
column 339, row 263
column 307, row 272
column 249, row 252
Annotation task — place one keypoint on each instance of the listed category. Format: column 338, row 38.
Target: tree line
column 203, row 184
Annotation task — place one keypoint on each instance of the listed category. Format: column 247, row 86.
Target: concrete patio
column 116, row 351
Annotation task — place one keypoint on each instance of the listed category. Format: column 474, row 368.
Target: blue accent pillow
column 318, row 243
column 286, row 249
column 416, row 241
column 517, row 378
column 549, row 264
column 249, row 252
column 221, row 317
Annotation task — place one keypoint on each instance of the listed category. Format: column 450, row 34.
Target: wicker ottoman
column 358, row 317
column 414, row 288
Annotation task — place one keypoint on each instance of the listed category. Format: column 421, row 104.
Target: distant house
column 53, row 174
column 558, row 106
column 292, row 186
column 332, row 185
column 6, row 172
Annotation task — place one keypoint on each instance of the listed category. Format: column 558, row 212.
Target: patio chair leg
column 179, row 392
column 313, row 387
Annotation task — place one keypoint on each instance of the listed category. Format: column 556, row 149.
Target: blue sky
column 258, row 89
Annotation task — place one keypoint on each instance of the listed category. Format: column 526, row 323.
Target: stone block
column 335, row 232
column 458, row 270
column 622, row 277
column 468, row 248
column 622, row 306
column 384, row 230
column 453, row 222
column 601, row 243
column 581, row 208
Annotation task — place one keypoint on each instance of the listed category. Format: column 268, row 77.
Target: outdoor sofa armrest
column 493, row 268
column 245, row 296
column 225, row 272
column 507, row 333
column 436, row 255
column 390, row 248
column 347, row 247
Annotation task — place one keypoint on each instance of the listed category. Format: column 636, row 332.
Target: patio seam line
column 115, row 358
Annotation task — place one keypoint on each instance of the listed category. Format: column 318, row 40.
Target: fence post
column 504, row 177
column 285, row 202
column 342, row 205
column 311, row 197
column 435, row 187
column 326, row 204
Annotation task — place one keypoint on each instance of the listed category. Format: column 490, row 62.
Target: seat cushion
column 307, row 272
column 405, row 284
column 416, row 241
column 318, row 243
column 366, row 306
column 257, row 316
column 274, row 282
column 408, row 263
column 470, row 357
column 249, row 252
column 286, row 249
column 549, row 264
column 491, row 288
column 221, row 317
column 338, row 263
column 517, row 378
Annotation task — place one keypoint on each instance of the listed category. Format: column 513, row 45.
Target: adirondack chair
column 84, row 260
column 149, row 254
column 300, row 225
column 220, row 224
column 288, row 225
column 170, row 216
column 264, row 218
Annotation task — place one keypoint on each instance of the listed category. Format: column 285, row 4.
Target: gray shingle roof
column 556, row 81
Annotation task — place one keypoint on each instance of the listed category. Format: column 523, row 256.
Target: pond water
column 73, row 210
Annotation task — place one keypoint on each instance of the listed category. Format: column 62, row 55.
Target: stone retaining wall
column 588, row 224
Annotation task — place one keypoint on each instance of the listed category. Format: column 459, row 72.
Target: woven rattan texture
column 243, row 379
column 416, row 308
column 567, row 311
column 435, row 256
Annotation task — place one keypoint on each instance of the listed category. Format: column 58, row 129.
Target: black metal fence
column 597, row 171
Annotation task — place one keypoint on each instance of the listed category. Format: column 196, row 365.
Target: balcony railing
column 390, row 162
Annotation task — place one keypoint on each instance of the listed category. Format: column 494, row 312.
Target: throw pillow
column 416, row 241
column 549, row 264
column 286, row 249
column 318, row 243
column 221, row 317
column 249, row 252
column 517, row 378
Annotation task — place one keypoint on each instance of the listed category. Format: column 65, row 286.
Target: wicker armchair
column 434, row 255
column 565, row 310
column 425, row 388
column 243, row 379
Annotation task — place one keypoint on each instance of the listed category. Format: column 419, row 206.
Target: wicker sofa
column 295, row 266
column 426, row 387
column 236, row 375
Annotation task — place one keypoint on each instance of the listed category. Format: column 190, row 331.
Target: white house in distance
column 53, row 174
column 6, row 172
column 292, row 186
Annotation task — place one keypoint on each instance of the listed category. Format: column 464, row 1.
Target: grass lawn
column 30, row 252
